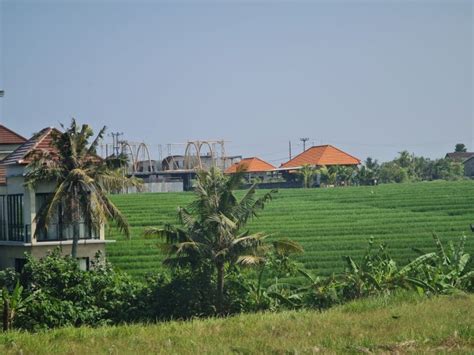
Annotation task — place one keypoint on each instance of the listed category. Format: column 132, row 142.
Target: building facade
column 19, row 204
column 469, row 167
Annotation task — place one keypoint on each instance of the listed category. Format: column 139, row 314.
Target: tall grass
column 402, row 323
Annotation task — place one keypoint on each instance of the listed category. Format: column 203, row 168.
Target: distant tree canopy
column 408, row 167
column 460, row 148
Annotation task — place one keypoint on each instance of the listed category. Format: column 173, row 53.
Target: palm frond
column 250, row 260
column 287, row 246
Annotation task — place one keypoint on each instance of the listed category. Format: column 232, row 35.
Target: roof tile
column 322, row 155
column 250, row 165
column 7, row 136
column 41, row 140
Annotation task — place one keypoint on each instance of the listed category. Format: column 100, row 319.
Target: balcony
column 15, row 233
column 66, row 231
column 56, row 232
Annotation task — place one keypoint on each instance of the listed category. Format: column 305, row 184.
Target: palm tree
column 82, row 182
column 211, row 228
column 307, row 173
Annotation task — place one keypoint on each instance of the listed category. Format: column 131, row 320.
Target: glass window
column 3, row 218
column 16, row 225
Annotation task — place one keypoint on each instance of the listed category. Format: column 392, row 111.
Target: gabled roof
column 321, row 155
column 7, row 136
column 460, row 156
column 250, row 165
column 40, row 141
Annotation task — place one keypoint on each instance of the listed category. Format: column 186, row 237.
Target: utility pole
column 304, row 140
column 289, row 148
column 115, row 141
column 2, row 93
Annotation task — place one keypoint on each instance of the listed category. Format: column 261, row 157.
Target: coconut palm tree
column 306, row 174
column 211, row 231
column 82, row 181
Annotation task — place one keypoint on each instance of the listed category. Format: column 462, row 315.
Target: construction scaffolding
column 181, row 157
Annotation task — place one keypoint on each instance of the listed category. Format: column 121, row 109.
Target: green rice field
column 328, row 223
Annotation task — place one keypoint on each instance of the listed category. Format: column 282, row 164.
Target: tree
column 306, row 174
column 82, row 182
column 372, row 164
column 211, row 228
column 404, row 159
column 12, row 303
column 460, row 147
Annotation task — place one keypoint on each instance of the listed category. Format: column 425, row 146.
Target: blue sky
column 370, row 77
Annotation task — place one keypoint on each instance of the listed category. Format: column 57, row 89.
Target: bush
column 64, row 295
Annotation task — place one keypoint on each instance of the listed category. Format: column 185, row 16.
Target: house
column 322, row 155
column 469, row 167
column 459, row 157
column 466, row 158
column 254, row 168
column 9, row 141
column 20, row 203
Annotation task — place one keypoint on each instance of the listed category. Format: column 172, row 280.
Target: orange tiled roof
column 40, row 141
column 7, row 136
column 321, row 155
column 250, row 165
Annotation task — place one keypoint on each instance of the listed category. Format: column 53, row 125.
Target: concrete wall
column 469, row 168
column 174, row 186
column 8, row 253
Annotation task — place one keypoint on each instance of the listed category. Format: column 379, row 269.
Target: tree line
column 405, row 167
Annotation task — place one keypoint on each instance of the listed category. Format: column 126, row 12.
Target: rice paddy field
column 328, row 223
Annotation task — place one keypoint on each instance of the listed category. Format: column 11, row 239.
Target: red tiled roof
column 41, row 140
column 7, row 136
column 321, row 155
column 250, row 165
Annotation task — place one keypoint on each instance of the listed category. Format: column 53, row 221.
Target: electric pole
column 2, row 93
column 304, row 140
column 289, row 148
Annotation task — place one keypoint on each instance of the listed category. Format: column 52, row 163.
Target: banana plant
column 379, row 273
column 13, row 302
column 448, row 270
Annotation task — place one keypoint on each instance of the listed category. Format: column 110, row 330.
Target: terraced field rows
column 329, row 223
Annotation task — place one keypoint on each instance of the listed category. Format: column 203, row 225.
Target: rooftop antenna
column 304, row 140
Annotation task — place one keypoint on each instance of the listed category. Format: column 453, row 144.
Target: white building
column 20, row 203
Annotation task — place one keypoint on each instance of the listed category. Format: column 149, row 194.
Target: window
column 19, row 264
column 3, row 218
column 58, row 229
column 16, row 227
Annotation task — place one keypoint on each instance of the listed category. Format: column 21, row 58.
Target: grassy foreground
column 398, row 324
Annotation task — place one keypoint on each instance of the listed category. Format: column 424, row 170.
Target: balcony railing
column 55, row 232
column 67, row 231
column 15, row 233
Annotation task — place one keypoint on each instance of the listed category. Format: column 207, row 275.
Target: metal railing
column 15, row 233
column 67, row 231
